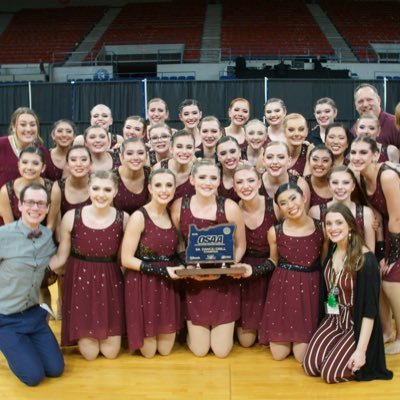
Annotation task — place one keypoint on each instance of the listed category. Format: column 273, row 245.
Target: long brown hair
column 354, row 251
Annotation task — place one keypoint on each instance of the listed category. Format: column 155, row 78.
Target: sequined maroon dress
column 263, row 191
column 93, row 293
column 65, row 204
column 301, row 161
column 52, row 172
column 128, row 201
column 253, row 291
column 227, row 193
column 9, row 161
column 378, row 201
column 315, row 198
column 291, row 308
column 153, row 304
column 184, row 189
column 209, row 302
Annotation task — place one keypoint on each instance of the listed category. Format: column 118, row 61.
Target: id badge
column 331, row 310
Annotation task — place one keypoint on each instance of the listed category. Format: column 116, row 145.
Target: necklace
column 14, row 146
column 333, row 283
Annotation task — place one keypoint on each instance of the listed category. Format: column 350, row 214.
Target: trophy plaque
column 212, row 245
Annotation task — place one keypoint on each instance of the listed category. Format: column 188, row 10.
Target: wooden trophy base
column 210, row 271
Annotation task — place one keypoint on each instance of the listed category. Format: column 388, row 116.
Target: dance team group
column 317, row 233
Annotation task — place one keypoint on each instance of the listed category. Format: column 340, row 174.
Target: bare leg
column 110, row 347
column 149, row 347
column 299, row 351
column 247, row 337
column 386, row 317
column 280, row 350
column 222, row 339
column 165, row 343
column 198, row 339
column 392, row 291
column 89, row 348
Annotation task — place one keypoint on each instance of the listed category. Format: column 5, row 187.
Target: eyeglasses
column 39, row 204
column 159, row 138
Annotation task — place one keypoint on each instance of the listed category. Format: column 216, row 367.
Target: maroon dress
column 292, row 305
column 301, row 161
column 152, row 158
column 378, row 201
column 383, row 154
column 153, row 304
column 253, row 291
column 227, row 193
column 9, row 162
column 114, row 140
column 65, row 204
column 315, row 198
column 115, row 158
column 52, row 172
column 208, row 302
column 263, row 190
column 128, row 201
column 184, row 189
column 93, row 294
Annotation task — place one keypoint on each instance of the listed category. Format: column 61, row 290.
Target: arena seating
column 147, row 23
column 363, row 22
column 34, row 35
column 273, row 28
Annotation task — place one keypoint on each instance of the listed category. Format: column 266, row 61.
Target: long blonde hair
column 17, row 113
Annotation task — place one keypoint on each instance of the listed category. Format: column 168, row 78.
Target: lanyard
column 333, row 283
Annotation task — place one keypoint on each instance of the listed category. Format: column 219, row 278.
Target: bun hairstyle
column 203, row 162
column 78, row 147
column 161, row 171
column 111, row 175
column 33, row 150
column 285, row 187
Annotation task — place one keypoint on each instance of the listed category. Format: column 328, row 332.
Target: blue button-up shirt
column 23, row 263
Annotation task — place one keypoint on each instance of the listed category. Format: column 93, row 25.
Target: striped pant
column 329, row 351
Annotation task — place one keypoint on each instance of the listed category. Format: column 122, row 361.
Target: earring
column 350, row 235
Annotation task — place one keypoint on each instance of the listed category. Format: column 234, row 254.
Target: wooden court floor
column 246, row 374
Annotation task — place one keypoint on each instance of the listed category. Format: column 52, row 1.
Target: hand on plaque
column 206, row 277
column 171, row 271
column 240, row 275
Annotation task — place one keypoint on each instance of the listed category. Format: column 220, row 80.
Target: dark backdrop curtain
column 74, row 101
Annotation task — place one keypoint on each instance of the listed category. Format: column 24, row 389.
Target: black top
column 366, row 304
column 314, row 137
